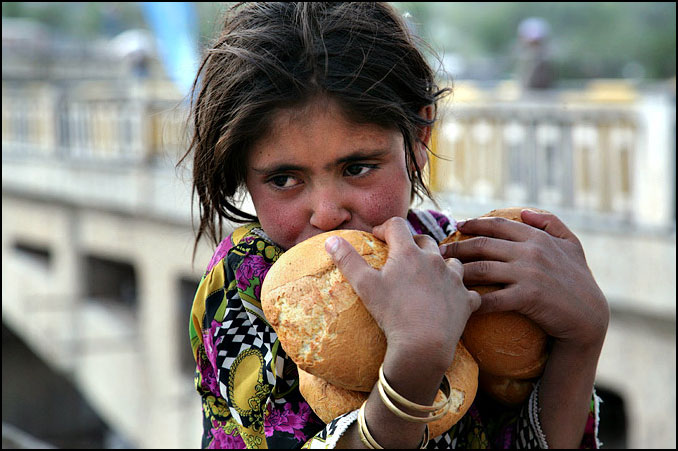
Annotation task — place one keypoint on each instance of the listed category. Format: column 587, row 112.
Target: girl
column 323, row 112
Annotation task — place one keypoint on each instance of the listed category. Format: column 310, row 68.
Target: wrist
column 415, row 376
column 412, row 355
column 388, row 430
column 580, row 348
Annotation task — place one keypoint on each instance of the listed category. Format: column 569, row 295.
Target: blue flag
column 175, row 26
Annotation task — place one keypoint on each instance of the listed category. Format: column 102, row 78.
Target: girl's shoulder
column 430, row 222
column 235, row 272
column 244, row 239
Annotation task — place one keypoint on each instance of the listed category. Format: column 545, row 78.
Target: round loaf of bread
column 329, row 401
column 321, row 322
column 326, row 400
column 504, row 344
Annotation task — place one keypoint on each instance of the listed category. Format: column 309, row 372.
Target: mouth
column 318, row 232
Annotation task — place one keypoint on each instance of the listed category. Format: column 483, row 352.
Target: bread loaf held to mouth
column 320, row 321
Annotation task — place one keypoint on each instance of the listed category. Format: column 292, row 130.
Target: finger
column 476, row 301
column 502, row 300
column 351, row 264
column 455, row 265
column 485, row 272
column 458, row 267
column 426, row 243
column 501, row 228
column 480, row 248
column 395, row 233
column 549, row 223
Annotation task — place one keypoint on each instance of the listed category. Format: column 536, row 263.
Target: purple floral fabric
column 287, row 420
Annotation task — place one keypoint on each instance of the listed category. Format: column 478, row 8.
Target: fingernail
column 331, row 244
column 443, row 248
column 461, row 223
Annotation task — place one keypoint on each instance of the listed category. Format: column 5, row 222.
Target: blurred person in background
column 535, row 70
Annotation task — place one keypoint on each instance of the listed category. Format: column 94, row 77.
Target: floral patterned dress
column 250, row 388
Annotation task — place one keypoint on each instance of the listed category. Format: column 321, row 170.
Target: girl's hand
column 544, row 270
column 417, row 297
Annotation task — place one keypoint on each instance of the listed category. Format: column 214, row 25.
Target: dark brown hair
column 271, row 56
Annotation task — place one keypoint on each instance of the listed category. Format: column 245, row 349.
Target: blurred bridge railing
column 591, row 158
column 101, row 142
column 607, row 159
column 91, row 121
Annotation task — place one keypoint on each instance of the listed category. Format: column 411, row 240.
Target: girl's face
column 317, row 171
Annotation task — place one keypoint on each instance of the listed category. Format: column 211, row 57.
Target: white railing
column 97, row 124
column 540, row 154
column 602, row 156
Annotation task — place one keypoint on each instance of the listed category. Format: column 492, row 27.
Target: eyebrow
column 358, row 155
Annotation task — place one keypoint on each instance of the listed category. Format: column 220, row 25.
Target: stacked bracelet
column 434, row 412
column 370, row 442
column 386, row 392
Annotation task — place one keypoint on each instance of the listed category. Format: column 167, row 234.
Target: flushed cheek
column 283, row 223
column 377, row 206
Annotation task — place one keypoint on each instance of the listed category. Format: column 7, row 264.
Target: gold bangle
column 445, row 386
column 406, row 416
column 370, row 442
column 424, row 439
column 365, row 435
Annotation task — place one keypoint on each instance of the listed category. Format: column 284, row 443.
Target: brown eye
column 279, row 180
column 359, row 169
column 283, row 181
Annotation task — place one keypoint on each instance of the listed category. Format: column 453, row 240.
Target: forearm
column 565, row 394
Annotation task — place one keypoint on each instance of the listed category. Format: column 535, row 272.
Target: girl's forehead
column 320, row 132
column 319, row 125
column 323, row 111
column 315, row 107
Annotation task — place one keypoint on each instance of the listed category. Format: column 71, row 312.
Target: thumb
column 351, row 264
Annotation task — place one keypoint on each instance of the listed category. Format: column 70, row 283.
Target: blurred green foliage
column 88, row 20
column 588, row 39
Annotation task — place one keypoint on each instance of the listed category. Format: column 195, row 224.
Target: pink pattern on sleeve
column 221, row 252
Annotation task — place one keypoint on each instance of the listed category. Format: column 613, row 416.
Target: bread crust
column 316, row 313
column 327, row 400
column 506, row 344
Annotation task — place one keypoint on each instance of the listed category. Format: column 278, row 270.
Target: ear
column 424, row 135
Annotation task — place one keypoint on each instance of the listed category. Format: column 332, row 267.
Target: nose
column 329, row 209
